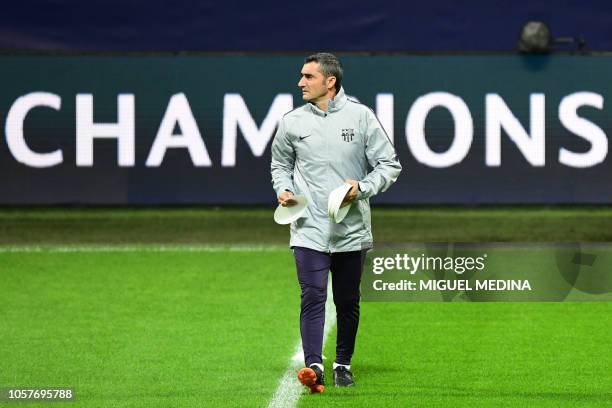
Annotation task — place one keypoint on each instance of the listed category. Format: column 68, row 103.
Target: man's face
column 314, row 85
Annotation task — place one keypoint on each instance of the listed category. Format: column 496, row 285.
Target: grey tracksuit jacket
column 314, row 152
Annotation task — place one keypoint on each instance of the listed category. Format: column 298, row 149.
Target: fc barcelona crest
column 348, row 135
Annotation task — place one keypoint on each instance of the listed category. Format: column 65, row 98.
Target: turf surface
column 479, row 354
column 139, row 329
column 248, row 226
column 182, row 328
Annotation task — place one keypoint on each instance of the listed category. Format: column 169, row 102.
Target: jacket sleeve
column 381, row 156
column 283, row 161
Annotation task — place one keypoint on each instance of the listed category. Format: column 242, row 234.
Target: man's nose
column 301, row 82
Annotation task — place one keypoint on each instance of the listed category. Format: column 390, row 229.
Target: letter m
column 236, row 115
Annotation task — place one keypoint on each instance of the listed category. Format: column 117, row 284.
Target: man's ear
column 331, row 82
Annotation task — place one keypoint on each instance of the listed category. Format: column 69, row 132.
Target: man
column 329, row 141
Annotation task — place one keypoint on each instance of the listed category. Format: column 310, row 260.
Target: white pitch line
column 141, row 248
column 289, row 388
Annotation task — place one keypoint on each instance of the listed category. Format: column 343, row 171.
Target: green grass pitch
column 136, row 327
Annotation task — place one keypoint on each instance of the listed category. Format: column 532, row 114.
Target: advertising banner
column 197, row 129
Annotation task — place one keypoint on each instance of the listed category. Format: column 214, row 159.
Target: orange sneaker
column 312, row 377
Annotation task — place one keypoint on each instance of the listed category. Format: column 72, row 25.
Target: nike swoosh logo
column 304, row 137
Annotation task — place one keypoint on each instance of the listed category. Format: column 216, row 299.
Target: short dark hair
column 330, row 66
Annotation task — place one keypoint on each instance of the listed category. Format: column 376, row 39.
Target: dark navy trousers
column 312, row 270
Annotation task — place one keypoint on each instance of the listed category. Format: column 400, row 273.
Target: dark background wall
column 278, row 35
column 342, row 25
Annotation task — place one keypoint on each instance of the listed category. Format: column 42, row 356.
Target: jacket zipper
column 329, row 241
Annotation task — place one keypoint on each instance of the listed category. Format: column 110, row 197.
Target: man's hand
column 352, row 193
column 286, row 199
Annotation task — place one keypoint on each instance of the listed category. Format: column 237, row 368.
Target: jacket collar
column 333, row 105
